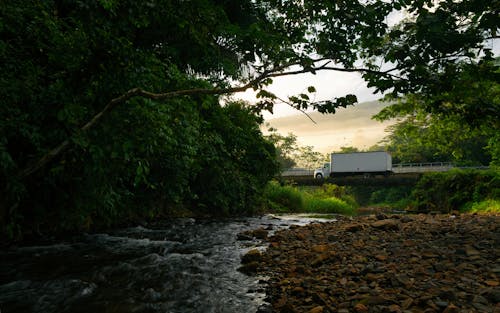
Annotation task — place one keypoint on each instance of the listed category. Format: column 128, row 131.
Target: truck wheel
column 319, row 176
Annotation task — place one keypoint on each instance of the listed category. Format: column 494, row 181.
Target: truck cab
column 322, row 172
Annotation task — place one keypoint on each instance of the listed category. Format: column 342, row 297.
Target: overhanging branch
column 138, row 92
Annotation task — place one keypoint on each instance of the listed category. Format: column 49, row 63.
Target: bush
column 327, row 205
column 283, row 198
column 396, row 197
column 486, row 206
column 290, row 199
column 453, row 190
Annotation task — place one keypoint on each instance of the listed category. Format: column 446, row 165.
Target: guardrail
column 428, row 164
column 297, row 172
column 422, row 167
column 398, row 168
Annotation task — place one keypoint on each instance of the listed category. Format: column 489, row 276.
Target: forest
column 114, row 111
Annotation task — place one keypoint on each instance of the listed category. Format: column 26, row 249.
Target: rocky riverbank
column 398, row 263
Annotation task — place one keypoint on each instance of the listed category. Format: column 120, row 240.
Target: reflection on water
column 183, row 265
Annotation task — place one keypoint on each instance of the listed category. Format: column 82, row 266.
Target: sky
column 343, row 130
column 347, row 127
column 328, row 85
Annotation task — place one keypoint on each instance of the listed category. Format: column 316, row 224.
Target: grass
column 330, row 199
column 485, row 206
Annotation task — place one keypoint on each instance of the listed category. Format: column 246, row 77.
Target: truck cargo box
column 361, row 162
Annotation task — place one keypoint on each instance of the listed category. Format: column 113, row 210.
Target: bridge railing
column 428, row 164
column 297, row 172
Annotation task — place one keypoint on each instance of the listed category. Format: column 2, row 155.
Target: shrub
column 290, row 199
column 485, row 206
column 283, row 198
column 327, row 205
column 454, row 189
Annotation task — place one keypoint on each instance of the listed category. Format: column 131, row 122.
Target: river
column 183, row 265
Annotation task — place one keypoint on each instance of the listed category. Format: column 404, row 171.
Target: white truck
column 356, row 163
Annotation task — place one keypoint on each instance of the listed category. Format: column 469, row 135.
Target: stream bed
column 183, row 265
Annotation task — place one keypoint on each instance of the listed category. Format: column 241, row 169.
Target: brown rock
column 352, row 228
column 318, row 309
column 491, row 283
column 407, row 303
column 288, row 308
column 388, row 224
column 298, row 290
column 394, row 308
column 249, row 268
column 381, row 257
column 317, row 261
column 360, row 307
column 259, row 233
column 451, row 309
column 319, row 248
column 253, row 255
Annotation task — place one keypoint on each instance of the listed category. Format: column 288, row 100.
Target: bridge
column 399, row 168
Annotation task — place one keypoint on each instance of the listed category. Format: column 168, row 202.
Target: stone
column 352, row 228
column 360, row 307
column 317, row 309
column 451, row 309
column 424, row 264
column 394, row 308
column 288, row 308
column 249, row 268
column 253, row 255
column 387, row 224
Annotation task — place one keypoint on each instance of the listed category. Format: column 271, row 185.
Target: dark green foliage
column 394, row 197
column 63, row 61
column 455, row 189
column 397, row 197
column 234, row 162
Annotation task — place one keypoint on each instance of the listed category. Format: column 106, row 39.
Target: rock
column 253, row 255
column 319, row 248
column 352, row 228
column 317, row 309
column 491, row 283
column 407, row 303
column 493, row 295
column 399, row 264
column 318, row 260
column 381, row 216
column 249, row 268
column 394, row 308
column 360, row 307
column 242, row 236
column 259, row 233
column 406, row 219
column 288, row 308
column 387, row 224
column 451, row 309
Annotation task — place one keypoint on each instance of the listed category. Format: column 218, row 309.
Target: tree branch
column 138, row 92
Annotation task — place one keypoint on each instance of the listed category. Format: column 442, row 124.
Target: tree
column 286, row 147
column 420, row 136
column 77, row 74
column 348, row 149
column 308, row 158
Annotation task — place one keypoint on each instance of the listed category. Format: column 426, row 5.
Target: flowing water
column 183, row 265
